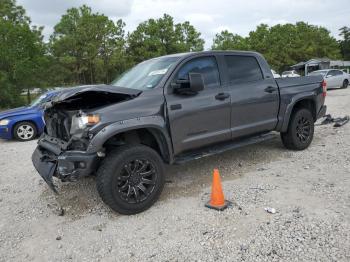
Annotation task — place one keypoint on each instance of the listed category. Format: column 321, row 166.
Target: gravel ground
column 309, row 190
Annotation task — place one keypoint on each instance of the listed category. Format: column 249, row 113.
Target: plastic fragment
column 270, row 210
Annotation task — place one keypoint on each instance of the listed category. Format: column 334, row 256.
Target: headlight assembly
column 4, row 122
column 82, row 121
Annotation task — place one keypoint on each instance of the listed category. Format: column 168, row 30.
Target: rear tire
column 130, row 179
column 300, row 130
column 25, row 131
column 345, row 84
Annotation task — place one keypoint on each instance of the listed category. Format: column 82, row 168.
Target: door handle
column 270, row 89
column 222, row 96
column 175, row 107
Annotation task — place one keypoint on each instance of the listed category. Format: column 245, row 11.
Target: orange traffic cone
column 217, row 199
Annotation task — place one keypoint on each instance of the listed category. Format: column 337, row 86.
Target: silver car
column 334, row 78
column 291, row 73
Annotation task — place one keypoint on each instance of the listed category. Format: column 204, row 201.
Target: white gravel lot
column 309, row 189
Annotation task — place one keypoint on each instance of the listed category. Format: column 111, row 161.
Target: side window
column 331, row 73
column 207, row 66
column 338, row 72
column 243, row 69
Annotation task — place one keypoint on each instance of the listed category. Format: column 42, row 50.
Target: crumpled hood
column 72, row 102
column 70, row 93
column 24, row 110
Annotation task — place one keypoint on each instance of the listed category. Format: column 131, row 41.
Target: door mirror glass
column 192, row 86
column 196, row 82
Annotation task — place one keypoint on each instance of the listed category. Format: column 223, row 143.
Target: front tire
column 345, row 84
column 130, row 179
column 300, row 130
column 25, row 131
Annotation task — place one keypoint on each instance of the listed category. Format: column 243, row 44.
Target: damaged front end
column 69, row 119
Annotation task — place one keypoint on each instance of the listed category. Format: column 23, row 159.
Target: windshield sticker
column 158, row 72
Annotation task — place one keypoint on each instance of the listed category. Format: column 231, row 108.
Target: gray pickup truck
column 171, row 109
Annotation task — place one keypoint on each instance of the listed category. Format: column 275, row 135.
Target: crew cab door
column 254, row 96
column 199, row 119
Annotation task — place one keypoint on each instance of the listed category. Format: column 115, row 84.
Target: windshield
column 323, row 73
column 145, row 75
column 39, row 100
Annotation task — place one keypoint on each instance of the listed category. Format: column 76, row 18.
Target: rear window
column 334, row 73
column 243, row 69
column 323, row 73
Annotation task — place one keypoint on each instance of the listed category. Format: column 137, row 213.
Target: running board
column 223, row 147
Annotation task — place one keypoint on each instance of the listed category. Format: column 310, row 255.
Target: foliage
column 88, row 45
column 157, row 37
column 283, row 45
column 345, row 42
column 229, row 41
column 21, row 53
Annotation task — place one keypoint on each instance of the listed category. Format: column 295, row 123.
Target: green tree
column 345, row 42
column 283, row 45
column 288, row 44
column 157, row 37
column 21, row 54
column 86, row 44
column 229, row 41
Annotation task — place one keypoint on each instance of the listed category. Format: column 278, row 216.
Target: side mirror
column 191, row 86
column 196, row 82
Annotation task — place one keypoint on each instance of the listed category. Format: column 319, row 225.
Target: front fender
column 150, row 122
column 35, row 118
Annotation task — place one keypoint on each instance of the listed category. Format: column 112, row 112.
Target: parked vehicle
column 171, row 109
column 291, row 73
column 24, row 123
column 275, row 75
column 333, row 77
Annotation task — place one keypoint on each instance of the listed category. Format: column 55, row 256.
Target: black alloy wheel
column 136, row 181
column 130, row 178
column 303, row 129
column 300, row 130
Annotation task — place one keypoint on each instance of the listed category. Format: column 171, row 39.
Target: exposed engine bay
column 70, row 115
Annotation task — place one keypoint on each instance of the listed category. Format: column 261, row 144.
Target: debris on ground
column 342, row 121
column 338, row 122
column 270, row 210
column 60, row 211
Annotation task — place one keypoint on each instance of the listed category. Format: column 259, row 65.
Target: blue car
column 24, row 123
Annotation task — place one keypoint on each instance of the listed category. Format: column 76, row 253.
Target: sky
column 208, row 16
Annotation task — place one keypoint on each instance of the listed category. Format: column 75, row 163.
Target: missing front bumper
column 51, row 161
column 45, row 168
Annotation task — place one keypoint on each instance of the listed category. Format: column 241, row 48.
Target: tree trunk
column 29, row 100
column 91, row 73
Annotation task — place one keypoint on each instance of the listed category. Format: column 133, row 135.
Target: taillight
column 324, row 88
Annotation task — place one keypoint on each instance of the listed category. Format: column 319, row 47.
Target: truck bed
column 298, row 81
